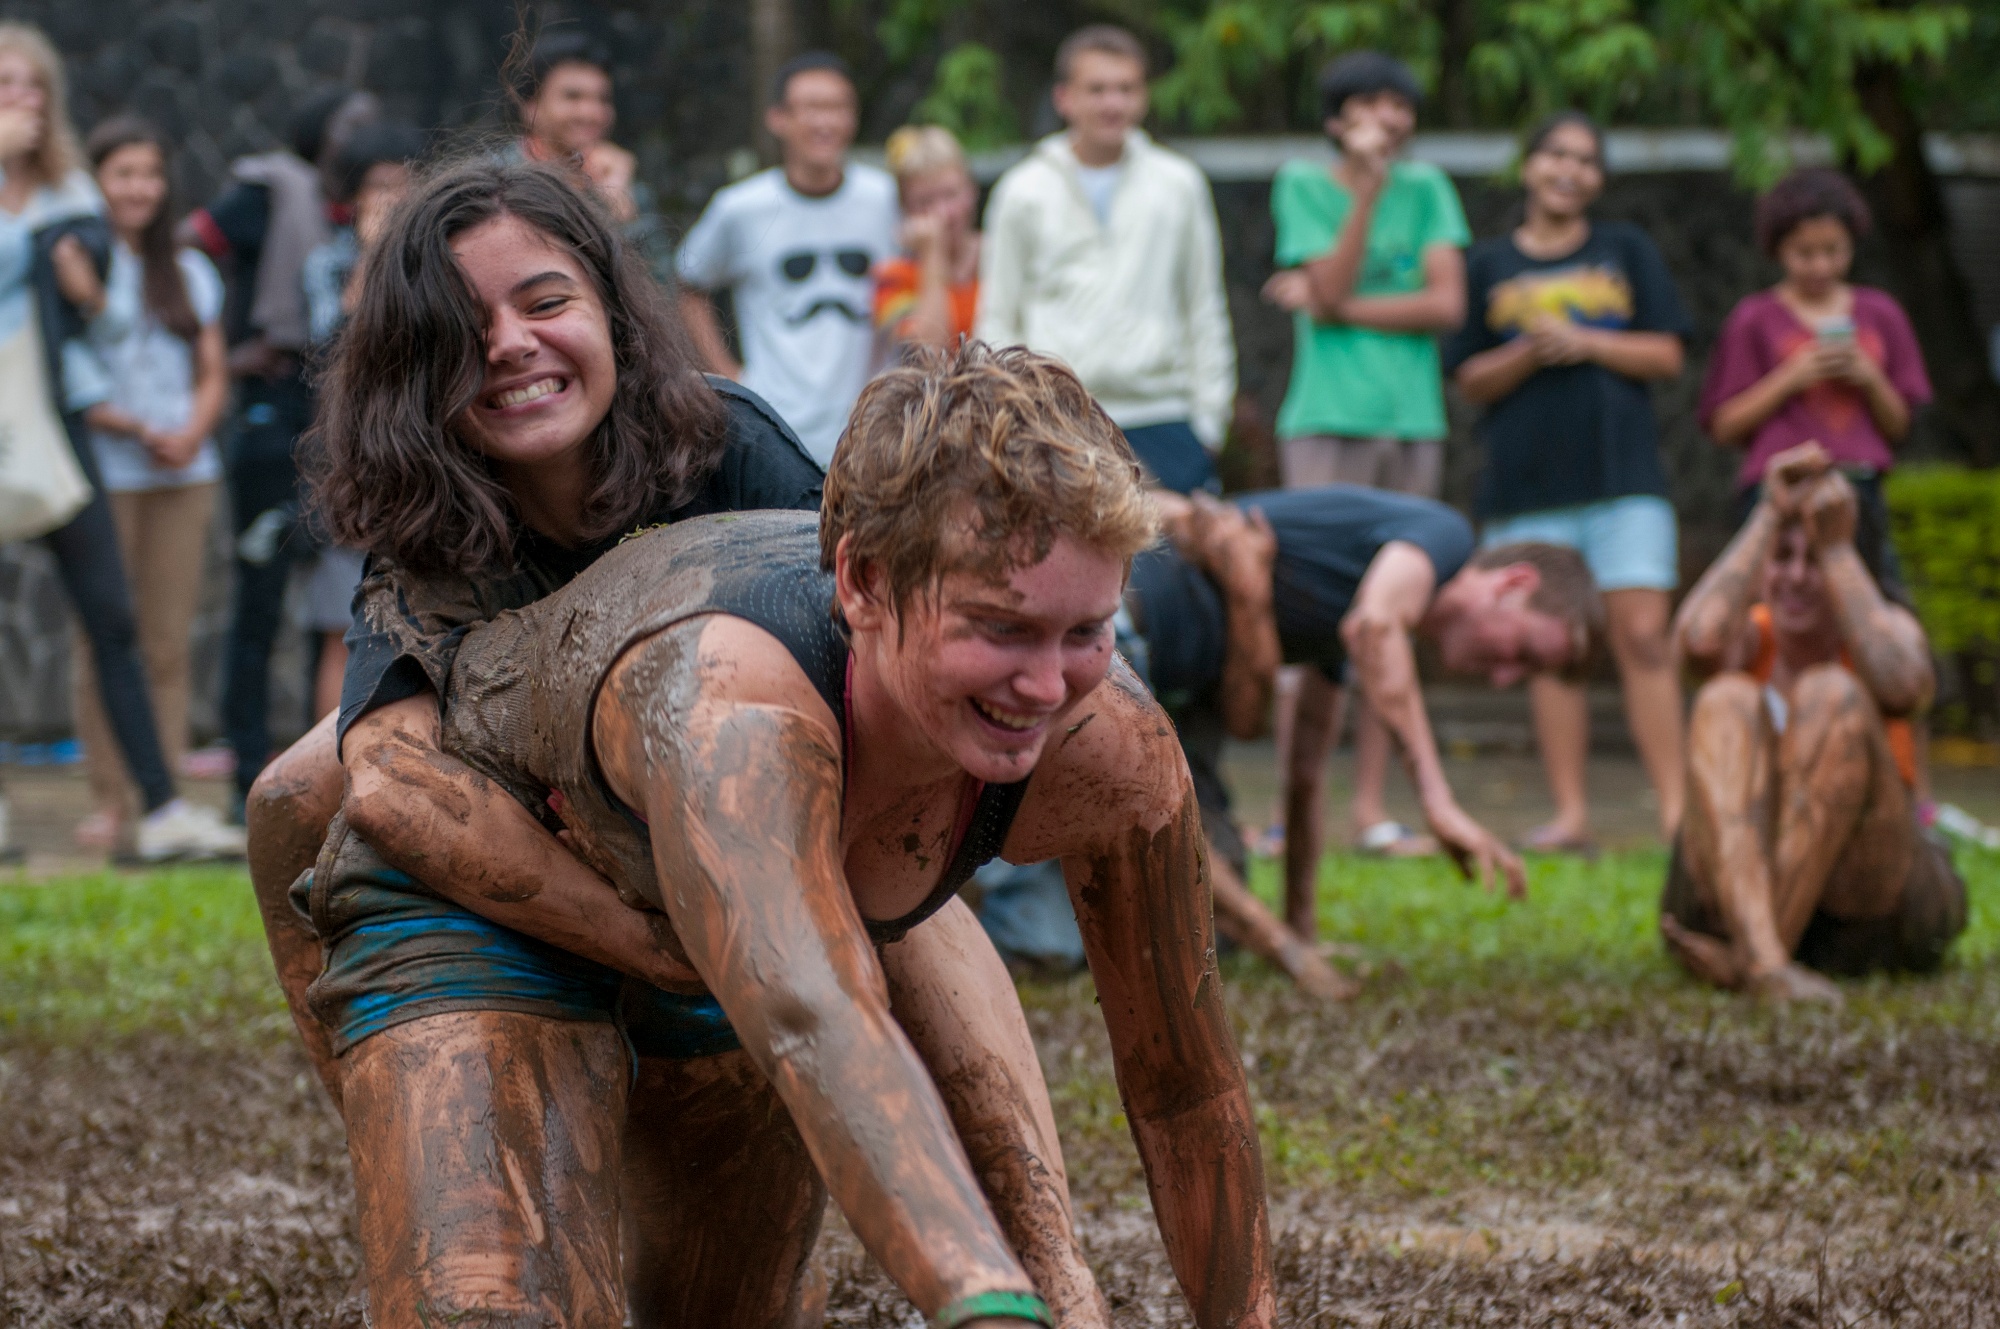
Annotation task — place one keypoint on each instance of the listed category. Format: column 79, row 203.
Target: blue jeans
column 1174, row 455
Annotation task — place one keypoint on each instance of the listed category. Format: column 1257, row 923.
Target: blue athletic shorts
column 394, row 953
column 1629, row 543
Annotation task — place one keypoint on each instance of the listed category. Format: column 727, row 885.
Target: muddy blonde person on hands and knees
column 794, row 740
column 1801, row 855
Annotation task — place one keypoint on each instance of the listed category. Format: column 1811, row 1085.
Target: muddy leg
column 287, row 811
column 1845, row 834
column 485, row 1153
column 955, row 1001
column 1315, row 727
column 722, row 1201
column 1725, row 835
column 1242, row 917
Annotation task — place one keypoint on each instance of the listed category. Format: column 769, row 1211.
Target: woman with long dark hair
column 159, row 344
column 54, row 251
column 1569, row 321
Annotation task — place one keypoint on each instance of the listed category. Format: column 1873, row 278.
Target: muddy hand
column 1790, row 472
column 1479, row 854
column 1827, row 508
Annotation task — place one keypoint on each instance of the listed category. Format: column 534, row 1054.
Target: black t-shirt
column 240, row 215
column 1570, row 434
column 1327, row 537
column 407, row 627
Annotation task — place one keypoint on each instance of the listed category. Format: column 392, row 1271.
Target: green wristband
column 995, row 1305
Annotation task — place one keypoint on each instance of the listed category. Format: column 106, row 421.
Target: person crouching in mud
column 1801, row 854
column 795, row 740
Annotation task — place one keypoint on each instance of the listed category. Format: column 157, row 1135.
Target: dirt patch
column 1546, row 1157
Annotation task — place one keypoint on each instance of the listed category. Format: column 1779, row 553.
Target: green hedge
column 1947, row 529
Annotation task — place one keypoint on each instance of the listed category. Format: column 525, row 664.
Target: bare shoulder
column 722, row 661
column 1117, row 766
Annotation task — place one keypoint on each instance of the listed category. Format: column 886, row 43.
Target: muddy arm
column 1142, row 902
column 1884, row 640
column 472, row 842
column 744, row 802
column 1714, row 617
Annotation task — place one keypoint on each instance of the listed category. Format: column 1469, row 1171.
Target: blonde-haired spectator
column 928, row 294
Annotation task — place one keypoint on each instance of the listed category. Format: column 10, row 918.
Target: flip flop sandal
column 1545, row 840
column 1392, row 839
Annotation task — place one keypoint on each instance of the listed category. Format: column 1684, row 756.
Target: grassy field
column 1529, row 1118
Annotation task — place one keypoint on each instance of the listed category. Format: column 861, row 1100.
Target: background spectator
column 929, row 294
column 1370, row 268
column 1570, row 320
column 371, row 175
column 1816, row 358
column 563, row 95
column 54, row 254
column 159, row 343
column 260, row 230
column 1102, row 248
column 795, row 245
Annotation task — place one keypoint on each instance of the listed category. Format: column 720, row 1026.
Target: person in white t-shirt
column 795, row 245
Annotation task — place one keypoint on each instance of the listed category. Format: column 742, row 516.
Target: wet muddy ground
column 1573, row 1157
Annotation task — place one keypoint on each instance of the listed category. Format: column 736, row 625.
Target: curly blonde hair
column 976, row 460
column 59, row 153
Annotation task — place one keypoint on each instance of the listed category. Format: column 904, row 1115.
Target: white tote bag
column 41, row 486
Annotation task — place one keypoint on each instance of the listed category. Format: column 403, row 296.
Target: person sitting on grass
column 1801, row 850
column 791, row 739
column 1328, row 576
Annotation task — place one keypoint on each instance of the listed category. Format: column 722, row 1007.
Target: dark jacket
column 60, row 320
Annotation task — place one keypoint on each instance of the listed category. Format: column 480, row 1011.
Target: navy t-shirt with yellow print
column 1570, row 434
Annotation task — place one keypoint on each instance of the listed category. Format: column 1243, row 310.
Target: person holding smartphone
column 1816, row 358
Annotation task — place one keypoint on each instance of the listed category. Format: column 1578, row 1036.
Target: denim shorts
column 1629, row 544
column 394, row 952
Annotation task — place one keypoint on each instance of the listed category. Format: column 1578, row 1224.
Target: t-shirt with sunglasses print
column 798, row 270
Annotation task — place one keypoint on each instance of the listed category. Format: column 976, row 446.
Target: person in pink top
column 1817, row 359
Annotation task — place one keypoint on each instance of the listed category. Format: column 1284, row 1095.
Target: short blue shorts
column 395, row 953
column 1629, row 544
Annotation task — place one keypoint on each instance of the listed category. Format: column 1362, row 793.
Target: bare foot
column 1708, row 958
column 1793, row 983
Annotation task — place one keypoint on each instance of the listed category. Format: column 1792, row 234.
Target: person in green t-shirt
column 1371, row 267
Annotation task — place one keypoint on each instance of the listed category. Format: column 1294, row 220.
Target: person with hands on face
column 929, row 295
column 1572, row 320
column 562, row 93
column 55, row 256
column 1818, row 358
column 1370, row 268
column 1801, row 854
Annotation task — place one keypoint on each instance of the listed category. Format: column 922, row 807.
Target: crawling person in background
column 792, row 738
column 1342, row 578
column 1801, row 854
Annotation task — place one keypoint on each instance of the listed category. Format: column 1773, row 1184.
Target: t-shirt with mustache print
column 798, row 269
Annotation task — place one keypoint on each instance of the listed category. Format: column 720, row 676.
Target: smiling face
column 1563, row 176
column 550, row 368
column 816, row 122
column 1392, row 112
column 988, row 671
column 1795, row 585
column 133, row 180
column 1102, row 100
column 23, row 91
column 1816, row 255
column 571, row 112
column 1496, row 633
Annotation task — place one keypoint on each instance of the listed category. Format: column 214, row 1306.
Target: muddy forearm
column 1884, row 640
column 1385, row 667
column 1145, row 913
column 745, row 805
column 1250, row 663
column 1715, row 611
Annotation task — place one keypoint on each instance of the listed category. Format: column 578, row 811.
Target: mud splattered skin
column 713, row 733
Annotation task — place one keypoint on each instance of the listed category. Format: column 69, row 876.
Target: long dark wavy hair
column 165, row 289
column 390, row 472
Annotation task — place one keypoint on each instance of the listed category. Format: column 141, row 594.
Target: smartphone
column 1838, row 330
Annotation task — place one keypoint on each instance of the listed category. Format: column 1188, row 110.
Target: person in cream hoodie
column 1102, row 249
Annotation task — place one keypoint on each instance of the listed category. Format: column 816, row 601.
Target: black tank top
column 762, row 567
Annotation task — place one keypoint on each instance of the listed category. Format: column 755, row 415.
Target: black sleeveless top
column 522, row 687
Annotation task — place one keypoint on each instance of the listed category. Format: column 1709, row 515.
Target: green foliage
column 967, row 97
column 1554, row 54
column 1947, row 528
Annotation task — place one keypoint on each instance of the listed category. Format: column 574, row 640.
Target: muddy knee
column 1727, row 703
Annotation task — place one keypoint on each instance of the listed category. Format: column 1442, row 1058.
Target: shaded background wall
column 221, row 76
